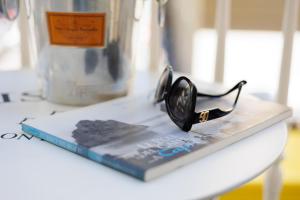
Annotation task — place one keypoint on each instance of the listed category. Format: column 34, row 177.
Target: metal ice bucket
column 83, row 48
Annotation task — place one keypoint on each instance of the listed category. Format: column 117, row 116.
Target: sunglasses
column 181, row 97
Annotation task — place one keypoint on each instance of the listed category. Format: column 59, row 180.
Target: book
column 138, row 138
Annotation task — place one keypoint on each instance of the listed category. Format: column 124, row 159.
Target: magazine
column 134, row 136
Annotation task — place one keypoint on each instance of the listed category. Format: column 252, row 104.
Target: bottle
column 9, row 10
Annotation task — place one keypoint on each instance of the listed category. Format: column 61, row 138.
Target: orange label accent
column 76, row 29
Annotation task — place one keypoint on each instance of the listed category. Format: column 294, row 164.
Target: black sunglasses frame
column 194, row 117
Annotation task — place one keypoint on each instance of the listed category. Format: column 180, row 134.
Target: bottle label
column 76, row 29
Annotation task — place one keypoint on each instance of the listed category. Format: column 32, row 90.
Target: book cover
column 138, row 138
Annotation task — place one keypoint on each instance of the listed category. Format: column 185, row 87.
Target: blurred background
column 215, row 41
column 253, row 46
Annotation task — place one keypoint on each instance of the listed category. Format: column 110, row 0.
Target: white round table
column 64, row 175
column 37, row 170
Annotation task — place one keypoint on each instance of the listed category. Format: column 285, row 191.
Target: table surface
column 38, row 170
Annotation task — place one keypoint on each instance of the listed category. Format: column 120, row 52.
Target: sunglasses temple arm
column 210, row 115
column 217, row 113
column 237, row 86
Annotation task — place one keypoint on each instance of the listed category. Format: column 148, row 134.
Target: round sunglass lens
column 180, row 100
column 164, row 84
